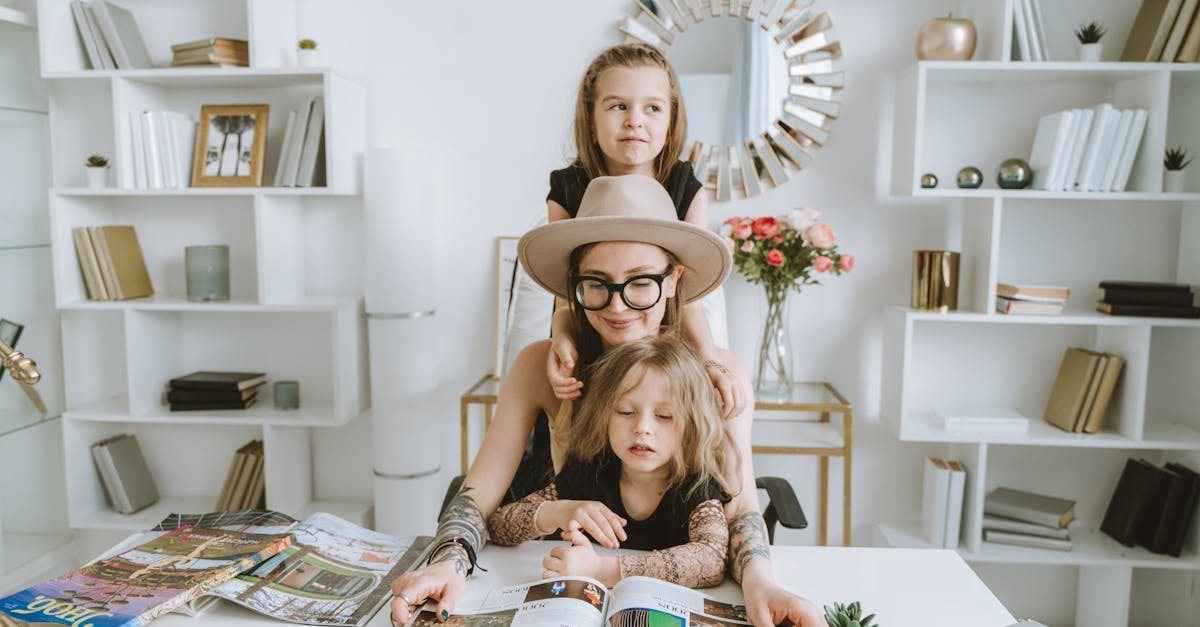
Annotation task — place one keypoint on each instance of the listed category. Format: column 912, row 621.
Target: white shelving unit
column 120, row 355
column 954, row 114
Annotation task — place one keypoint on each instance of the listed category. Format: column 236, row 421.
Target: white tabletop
column 927, row 587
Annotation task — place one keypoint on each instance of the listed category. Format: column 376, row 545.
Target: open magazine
column 584, row 602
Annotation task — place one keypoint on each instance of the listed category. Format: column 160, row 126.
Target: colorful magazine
column 136, row 585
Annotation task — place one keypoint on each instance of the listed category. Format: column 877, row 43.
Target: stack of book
column 1145, row 298
column 942, row 501
column 207, row 389
column 1088, row 150
column 245, row 484
column 1045, row 300
column 1082, row 390
column 110, row 36
column 124, row 473
column 1153, row 506
column 211, row 52
column 300, row 157
column 111, row 262
column 1027, row 519
column 1164, row 31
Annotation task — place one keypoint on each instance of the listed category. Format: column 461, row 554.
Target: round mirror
column 758, row 79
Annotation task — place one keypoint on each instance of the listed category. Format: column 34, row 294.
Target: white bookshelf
column 953, row 114
column 279, row 320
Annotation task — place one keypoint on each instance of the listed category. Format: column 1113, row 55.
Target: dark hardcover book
column 1151, row 286
column 1178, row 511
column 1151, row 516
column 1117, row 296
column 189, row 395
column 1157, row 311
column 200, row 405
column 218, row 380
column 1130, row 499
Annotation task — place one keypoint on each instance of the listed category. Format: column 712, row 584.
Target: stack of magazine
column 1022, row 518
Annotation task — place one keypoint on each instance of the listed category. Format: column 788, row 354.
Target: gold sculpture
column 24, row 371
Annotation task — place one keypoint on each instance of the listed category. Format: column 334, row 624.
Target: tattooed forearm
column 462, row 519
column 747, row 541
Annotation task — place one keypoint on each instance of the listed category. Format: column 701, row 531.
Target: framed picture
column 10, row 332
column 231, row 142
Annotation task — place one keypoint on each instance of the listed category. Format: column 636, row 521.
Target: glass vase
column 772, row 378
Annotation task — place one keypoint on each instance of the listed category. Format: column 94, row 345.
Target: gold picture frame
column 231, row 142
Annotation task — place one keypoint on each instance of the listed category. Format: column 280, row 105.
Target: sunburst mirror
column 759, row 81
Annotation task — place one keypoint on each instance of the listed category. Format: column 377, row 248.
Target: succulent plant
column 1090, row 33
column 848, row 616
column 97, row 161
column 308, row 44
column 1176, row 158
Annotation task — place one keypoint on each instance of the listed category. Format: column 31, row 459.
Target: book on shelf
column 1134, row 500
column 954, row 502
column 162, row 144
column 121, row 32
column 1189, row 51
column 312, row 149
column 1178, row 31
column 1069, row 393
column 89, row 35
column 1145, row 286
column 211, row 51
column 1150, row 30
column 1129, row 150
column 1079, row 136
column 999, row 523
column 218, row 380
column 1179, row 510
column 1122, row 296
column 124, row 473
column 1051, row 144
column 585, row 602
column 1000, row 420
column 191, row 395
column 152, row 575
column 1107, row 176
column 111, row 263
column 1015, row 306
column 934, row 500
column 1150, row 311
column 1031, row 507
column 246, row 403
column 1048, row 293
column 1091, row 416
column 243, row 484
column 218, row 44
column 1022, row 539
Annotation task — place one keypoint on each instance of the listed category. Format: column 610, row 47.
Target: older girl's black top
column 568, row 184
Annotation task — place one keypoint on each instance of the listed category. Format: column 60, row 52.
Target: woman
column 649, row 267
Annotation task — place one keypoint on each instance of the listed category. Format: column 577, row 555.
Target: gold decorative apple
column 946, row 39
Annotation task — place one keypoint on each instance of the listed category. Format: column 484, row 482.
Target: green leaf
column 855, row 610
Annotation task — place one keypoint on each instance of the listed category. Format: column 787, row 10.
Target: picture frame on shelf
column 231, row 143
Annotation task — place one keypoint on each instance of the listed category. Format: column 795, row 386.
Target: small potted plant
column 1089, row 40
column 1174, row 161
column 848, row 616
column 97, row 171
column 306, row 52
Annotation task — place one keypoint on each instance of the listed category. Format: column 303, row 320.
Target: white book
column 954, row 502
column 291, row 164
column 1062, row 164
column 285, row 147
column 139, row 150
column 1108, row 135
column 1124, row 123
column 85, row 35
column 1049, row 143
column 182, row 128
column 1130, row 150
column 1078, row 143
column 166, row 150
column 1035, row 9
column 999, row 523
column 313, row 136
column 121, row 32
column 1020, row 539
column 106, row 58
column 1035, row 44
column 1092, row 154
column 983, row 420
column 934, row 496
column 154, row 174
column 1022, row 34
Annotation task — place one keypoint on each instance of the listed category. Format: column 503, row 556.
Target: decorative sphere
column 928, row 180
column 969, row 177
column 1014, row 174
column 946, row 39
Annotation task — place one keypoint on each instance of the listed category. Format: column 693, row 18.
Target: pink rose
column 776, row 258
column 734, row 221
column 777, row 239
column 847, row 263
column 765, row 228
column 747, row 245
column 741, row 231
column 821, row 236
column 729, row 243
column 822, row 264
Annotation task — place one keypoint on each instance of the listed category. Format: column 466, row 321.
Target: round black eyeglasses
column 640, row 292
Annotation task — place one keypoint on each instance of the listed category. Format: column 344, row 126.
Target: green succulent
column 97, row 161
column 841, row 615
column 308, row 44
column 1090, row 33
column 1176, row 158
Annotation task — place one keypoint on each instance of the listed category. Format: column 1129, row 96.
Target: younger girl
column 630, row 119
column 644, row 460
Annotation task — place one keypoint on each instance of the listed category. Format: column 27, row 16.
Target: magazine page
column 141, row 583
column 335, row 573
column 559, row 602
column 641, row 601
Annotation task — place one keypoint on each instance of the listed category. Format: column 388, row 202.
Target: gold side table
column 484, row 392
column 802, row 433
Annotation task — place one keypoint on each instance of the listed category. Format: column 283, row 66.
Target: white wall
column 486, row 89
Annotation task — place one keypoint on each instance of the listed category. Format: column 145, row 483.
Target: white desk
column 927, row 587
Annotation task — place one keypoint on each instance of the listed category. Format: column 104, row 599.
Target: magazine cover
column 139, row 584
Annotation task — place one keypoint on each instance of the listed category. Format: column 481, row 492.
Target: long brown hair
column 703, row 448
column 588, row 154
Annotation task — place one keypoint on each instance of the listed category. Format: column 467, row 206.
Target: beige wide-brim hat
column 630, row 208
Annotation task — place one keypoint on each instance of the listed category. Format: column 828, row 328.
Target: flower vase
column 772, row 379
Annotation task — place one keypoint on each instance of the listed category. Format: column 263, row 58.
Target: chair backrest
column 523, row 308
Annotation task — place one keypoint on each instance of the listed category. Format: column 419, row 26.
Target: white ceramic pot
column 308, row 57
column 1090, row 53
column 1173, row 181
column 97, row 178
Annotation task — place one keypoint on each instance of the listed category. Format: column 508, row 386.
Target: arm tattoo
column 747, row 541
column 462, row 519
column 516, row 522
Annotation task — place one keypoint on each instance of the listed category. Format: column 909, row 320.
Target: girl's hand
column 440, row 582
column 580, row 559
column 593, row 517
column 560, row 363
column 733, row 400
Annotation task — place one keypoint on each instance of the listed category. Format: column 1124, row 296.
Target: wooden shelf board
column 924, row 427
column 116, row 409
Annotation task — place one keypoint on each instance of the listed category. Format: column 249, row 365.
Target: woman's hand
column 440, row 582
column 768, row 605
column 580, row 559
column 733, row 401
column 559, row 367
column 594, row 517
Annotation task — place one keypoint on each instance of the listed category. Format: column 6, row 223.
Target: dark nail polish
column 445, row 616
